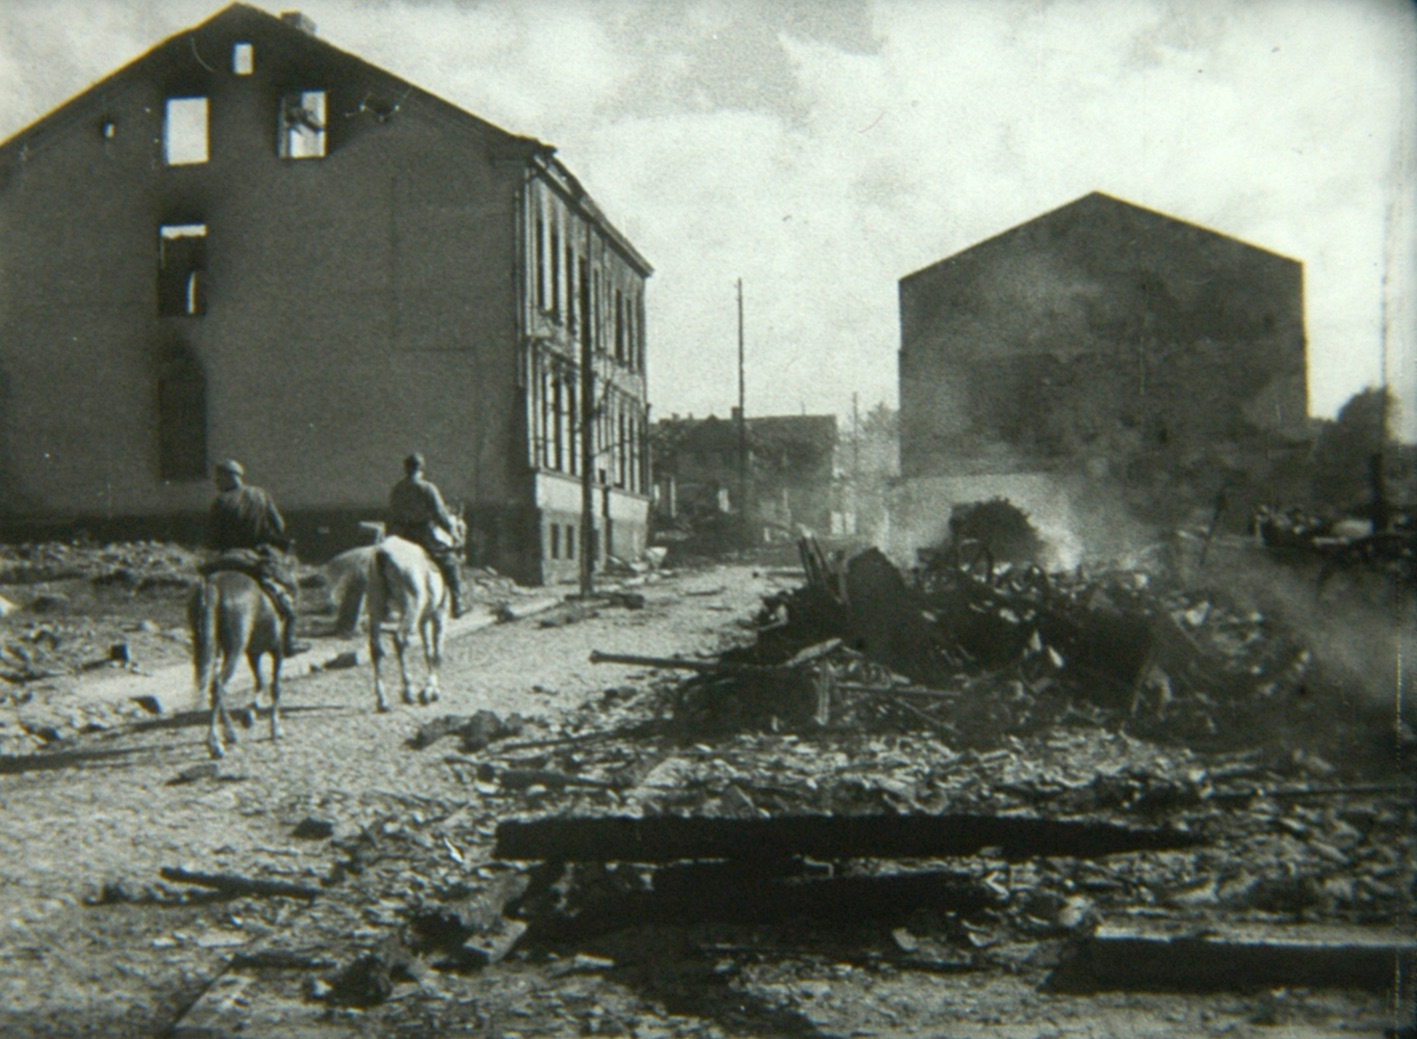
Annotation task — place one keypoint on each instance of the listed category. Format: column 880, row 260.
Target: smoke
column 1360, row 629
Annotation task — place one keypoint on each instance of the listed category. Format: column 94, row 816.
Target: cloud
column 822, row 149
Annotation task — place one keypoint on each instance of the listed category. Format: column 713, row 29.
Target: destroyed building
column 793, row 473
column 250, row 243
column 1103, row 346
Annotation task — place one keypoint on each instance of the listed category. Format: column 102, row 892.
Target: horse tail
column 379, row 584
column 203, row 617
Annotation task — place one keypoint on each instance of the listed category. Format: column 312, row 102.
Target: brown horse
column 231, row 617
column 403, row 580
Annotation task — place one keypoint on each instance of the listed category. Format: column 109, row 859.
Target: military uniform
column 417, row 513
column 249, row 535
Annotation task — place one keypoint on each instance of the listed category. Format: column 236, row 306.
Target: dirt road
column 98, row 822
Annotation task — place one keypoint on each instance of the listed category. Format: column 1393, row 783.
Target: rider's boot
column 292, row 648
column 455, row 592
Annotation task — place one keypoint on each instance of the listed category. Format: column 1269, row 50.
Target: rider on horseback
column 417, row 514
column 249, row 535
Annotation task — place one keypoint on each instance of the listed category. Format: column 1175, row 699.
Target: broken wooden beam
column 806, row 656
column 667, row 663
column 725, row 895
column 671, row 838
column 1150, row 956
column 1404, row 791
column 232, row 884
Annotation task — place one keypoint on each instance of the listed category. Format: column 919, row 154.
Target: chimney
column 296, row 20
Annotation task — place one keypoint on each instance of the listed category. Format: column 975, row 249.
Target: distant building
column 249, row 243
column 1101, row 341
column 793, row 475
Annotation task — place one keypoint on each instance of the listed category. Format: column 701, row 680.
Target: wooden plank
column 1144, row 956
column 671, row 838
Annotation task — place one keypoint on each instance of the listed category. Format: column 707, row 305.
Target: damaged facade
column 794, row 476
column 1103, row 342
column 249, row 243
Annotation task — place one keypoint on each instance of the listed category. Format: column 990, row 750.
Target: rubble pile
column 977, row 651
column 1245, row 839
column 70, row 610
column 135, row 564
column 1343, row 545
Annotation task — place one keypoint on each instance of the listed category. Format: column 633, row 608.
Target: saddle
column 265, row 565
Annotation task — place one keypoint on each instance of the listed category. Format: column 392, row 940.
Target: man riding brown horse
column 417, row 513
column 249, row 535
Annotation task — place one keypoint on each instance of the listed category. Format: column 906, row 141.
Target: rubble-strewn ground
column 393, row 822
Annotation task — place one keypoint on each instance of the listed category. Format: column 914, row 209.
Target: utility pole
column 855, row 463
column 742, row 430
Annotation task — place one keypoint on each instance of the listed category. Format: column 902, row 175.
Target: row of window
column 621, row 433
column 186, row 132
column 583, row 296
column 554, row 537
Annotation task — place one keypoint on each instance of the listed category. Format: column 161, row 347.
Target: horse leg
column 275, row 697
column 229, row 662
column 220, row 719
column 432, row 632
column 403, row 635
column 376, row 592
column 376, row 656
column 247, row 715
column 211, row 687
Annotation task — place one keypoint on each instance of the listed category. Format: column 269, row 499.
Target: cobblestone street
column 97, row 822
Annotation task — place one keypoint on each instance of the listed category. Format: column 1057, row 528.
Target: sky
column 820, row 150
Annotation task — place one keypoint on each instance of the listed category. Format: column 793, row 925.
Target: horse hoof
column 247, row 718
column 216, row 750
column 382, row 708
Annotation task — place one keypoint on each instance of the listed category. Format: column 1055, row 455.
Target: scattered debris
column 477, row 731
column 195, row 773
column 313, row 829
column 231, row 884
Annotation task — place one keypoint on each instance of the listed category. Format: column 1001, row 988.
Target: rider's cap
column 232, row 466
column 413, row 461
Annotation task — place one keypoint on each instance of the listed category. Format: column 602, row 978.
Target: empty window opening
column 595, row 309
column 559, row 410
column 182, row 269
column 540, row 262
column 570, row 541
column 182, row 418
column 555, row 541
column 243, row 59
column 184, row 130
column 573, row 423
column 554, row 264
column 570, row 287
column 620, row 327
column 621, row 453
column 302, row 125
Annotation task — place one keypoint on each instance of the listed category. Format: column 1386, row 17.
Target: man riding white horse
column 248, row 533
column 417, row 513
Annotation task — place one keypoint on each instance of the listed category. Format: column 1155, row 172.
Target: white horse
column 347, row 576
column 403, row 580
